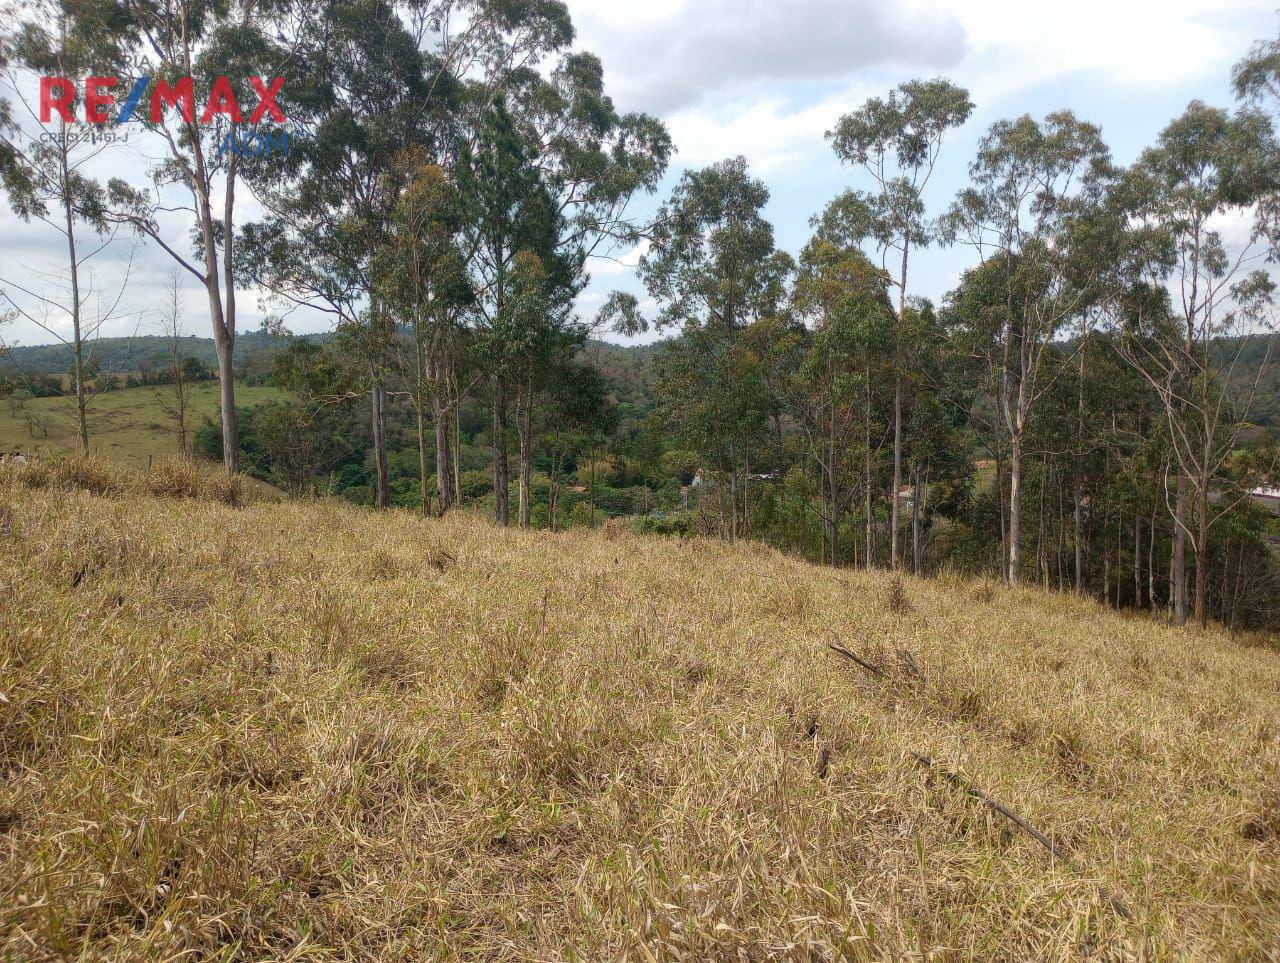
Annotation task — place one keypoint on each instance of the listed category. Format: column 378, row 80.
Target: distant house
column 701, row 480
column 1268, row 498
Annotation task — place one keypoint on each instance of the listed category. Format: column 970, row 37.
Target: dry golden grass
column 168, row 478
column 305, row 732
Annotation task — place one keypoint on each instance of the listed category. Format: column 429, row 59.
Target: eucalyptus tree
column 372, row 80
column 897, row 141
column 937, row 455
column 713, row 269
column 362, row 96
column 1032, row 185
column 533, row 335
column 225, row 49
column 712, row 263
column 580, row 414
column 423, row 276
column 845, row 224
column 844, row 300
column 46, row 177
column 550, row 172
column 1256, row 80
column 515, row 235
column 1207, row 167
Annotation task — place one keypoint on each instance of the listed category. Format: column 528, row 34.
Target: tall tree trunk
column 1077, row 521
column 829, row 477
column 73, row 263
column 1078, row 481
column 1178, row 564
column 377, row 396
column 1151, row 563
column 1041, row 562
column 500, row 470
column 1202, row 551
column 871, row 533
column 222, row 312
column 224, row 346
column 895, row 554
column 421, row 368
column 1015, row 508
column 423, row 492
column 455, row 421
column 1119, row 557
column 524, row 429
column 227, row 358
column 831, row 494
column 916, row 494
column 444, row 458
column 1137, row 560
column 1000, row 502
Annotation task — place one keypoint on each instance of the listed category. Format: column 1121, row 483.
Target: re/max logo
column 58, row 95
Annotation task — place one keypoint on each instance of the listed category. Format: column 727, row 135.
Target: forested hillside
column 120, row 356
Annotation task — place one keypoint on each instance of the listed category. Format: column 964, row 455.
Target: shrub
column 896, row 599
column 89, row 473
column 475, row 484
column 676, row 523
column 174, row 478
column 228, row 489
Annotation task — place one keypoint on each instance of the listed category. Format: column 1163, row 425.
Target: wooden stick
column 961, row 782
column 841, row 650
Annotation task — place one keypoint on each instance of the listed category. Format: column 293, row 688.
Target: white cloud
column 668, row 54
column 621, row 265
column 1015, row 46
column 771, row 132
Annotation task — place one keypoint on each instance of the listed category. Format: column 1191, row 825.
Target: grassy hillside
column 304, row 731
column 127, row 423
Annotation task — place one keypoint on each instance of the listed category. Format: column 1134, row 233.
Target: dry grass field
column 306, row 732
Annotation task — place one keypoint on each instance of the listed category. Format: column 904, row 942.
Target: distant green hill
column 1266, row 406
column 629, row 369
column 121, row 355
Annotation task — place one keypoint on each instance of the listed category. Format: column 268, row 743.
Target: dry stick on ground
column 841, row 650
column 960, row 781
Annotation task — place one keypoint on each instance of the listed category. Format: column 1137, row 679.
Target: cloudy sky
column 767, row 78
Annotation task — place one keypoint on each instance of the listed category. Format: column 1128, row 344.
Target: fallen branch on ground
column 841, row 650
column 1056, row 851
column 961, row 782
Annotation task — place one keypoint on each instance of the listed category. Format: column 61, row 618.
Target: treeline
column 1076, row 412
column 121, row 356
